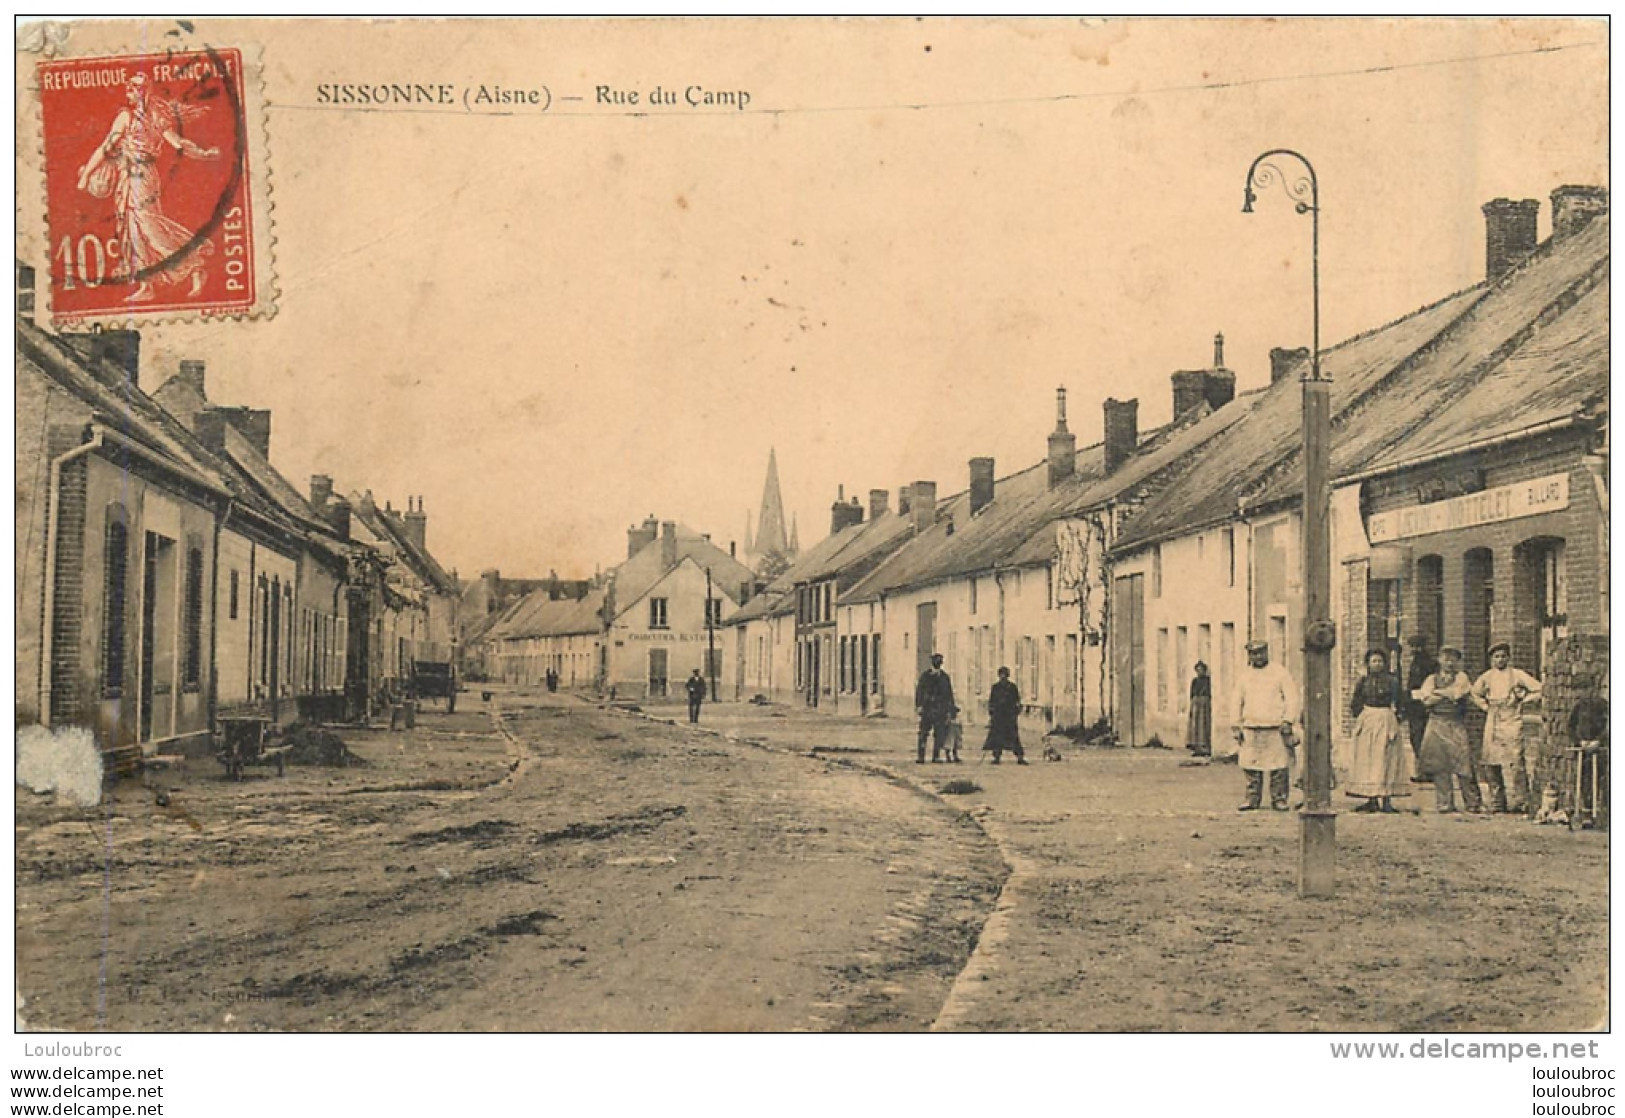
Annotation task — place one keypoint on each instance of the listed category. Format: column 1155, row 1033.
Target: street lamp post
column 1317, row 822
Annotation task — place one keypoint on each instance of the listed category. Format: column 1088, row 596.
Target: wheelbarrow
column 243, row 743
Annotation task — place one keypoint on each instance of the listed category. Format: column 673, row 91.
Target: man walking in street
column 696, row 695
column 1266, row 707
column 934, row 700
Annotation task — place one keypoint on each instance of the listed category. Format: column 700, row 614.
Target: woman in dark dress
column 1003, row 713
column 1379, row 761
column 1199, row 719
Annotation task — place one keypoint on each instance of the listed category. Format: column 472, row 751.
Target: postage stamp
column 154, row 182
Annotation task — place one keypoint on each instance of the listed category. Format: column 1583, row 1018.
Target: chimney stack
column 25, row 291
column 490, row 586
column 417, row 523
column 122, row 350
column 1573, row 207
column 1218, row 351
column 192, row 374
column 879, row 503
column 210, row 429
column 905, row 503
column 981, row 484
column 923, row 504
column 1285, row 362
column 1190, row 390
column 1122, row 431
column 338, row 518
column 1063, row 445
column 1509, row 234
column 668, row 544
column 639, row 538
column 321, row 490
column 843, row 514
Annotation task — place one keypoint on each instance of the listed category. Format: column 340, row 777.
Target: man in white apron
column 1266, row 707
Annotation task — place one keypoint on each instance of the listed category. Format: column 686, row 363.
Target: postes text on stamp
column 151, row 205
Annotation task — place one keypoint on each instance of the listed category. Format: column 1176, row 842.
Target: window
column 1229, row 550
column 1049, row 587
column 1204, row 645
column 1156, row 572
column 1430, row 599
column 829, row 601
column 1162, row 669
column 874, row 666
column 116, row 568
column 194, row 618
column 1070, row 685
column 1181, row 668
column 713, row 612
column 657, row 613
column 973, row 597
column 234, row 595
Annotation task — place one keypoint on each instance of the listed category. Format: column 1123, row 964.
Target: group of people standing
column 1432, row 704
column 934, row 702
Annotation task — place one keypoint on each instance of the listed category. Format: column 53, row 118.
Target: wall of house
column 165, row 701
column 49, row 422
column 1196, row 607
column 634, row 643
column 320, row 640
column 760, row 659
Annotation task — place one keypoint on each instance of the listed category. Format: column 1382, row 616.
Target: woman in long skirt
column 1199, row 721
column 1445, row 752
column 1378, row 760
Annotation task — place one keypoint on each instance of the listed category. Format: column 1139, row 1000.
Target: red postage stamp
column 150, row 179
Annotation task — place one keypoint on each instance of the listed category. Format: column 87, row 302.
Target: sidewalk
column 1140, row 899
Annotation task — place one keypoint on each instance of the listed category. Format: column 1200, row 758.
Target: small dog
column 1053, row 754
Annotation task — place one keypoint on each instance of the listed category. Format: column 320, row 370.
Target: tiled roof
column 1560, row 373
column 540, row 615
column 124, row 409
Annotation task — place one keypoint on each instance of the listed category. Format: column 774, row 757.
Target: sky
column 550, row 324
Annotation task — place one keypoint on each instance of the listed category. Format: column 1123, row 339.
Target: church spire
column 770, row 532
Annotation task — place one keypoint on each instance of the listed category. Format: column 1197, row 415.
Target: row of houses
column 1470, row 505
column 168, row 576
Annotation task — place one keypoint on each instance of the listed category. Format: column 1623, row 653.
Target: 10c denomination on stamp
column 154, row 178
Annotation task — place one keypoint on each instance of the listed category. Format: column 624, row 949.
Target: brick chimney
column 844, row 514
column 639, row 538
column 321, row 490
column 1063, row 444
column 923, row 504
column 491, row 587
column 879, row 503
column 981, row 484
column 210, row 429
column 1285, row 363
column 1509, row 234
column 1190, row 390
column 338, row 517
column 905, row 500
column 416, row 523
column 1573, row 207
column 193, row 375
column 668, row 544
column 25, row 291
column 121, row 349
column 1122, row 431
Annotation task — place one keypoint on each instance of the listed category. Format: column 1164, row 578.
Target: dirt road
column 554, row 867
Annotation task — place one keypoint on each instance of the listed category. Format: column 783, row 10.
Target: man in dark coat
column 1003, row 713
column 1414, row 712
column 696, row 695
column 934, row 700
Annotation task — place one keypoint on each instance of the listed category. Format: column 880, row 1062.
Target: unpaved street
column 557, row 867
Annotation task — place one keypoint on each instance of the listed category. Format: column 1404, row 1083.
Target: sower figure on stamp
column 1266, row 707
column 1500, row 693
column 1003, row 719
column 934, row 700
column 696, row 695
column 153, row 246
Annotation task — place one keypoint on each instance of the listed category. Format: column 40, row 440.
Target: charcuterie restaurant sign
column 1504, row 502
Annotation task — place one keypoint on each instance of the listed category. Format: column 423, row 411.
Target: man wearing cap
column 1266, row 707
column 934, row 700
column 1500, row 693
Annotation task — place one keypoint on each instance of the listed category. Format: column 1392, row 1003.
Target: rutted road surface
column 559, row 868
